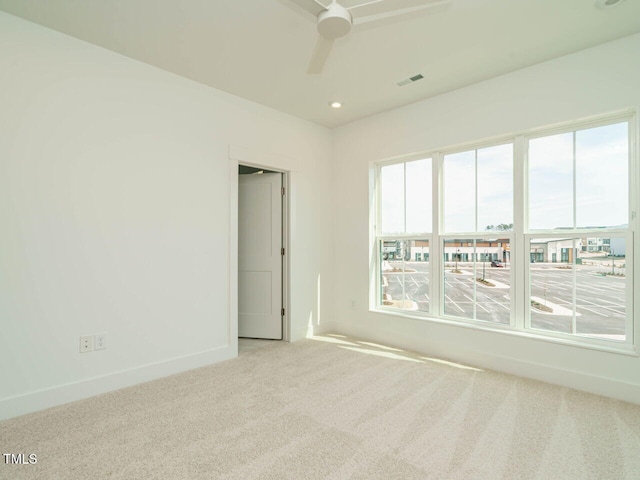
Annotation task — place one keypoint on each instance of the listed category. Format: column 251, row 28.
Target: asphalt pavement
column 599, row 296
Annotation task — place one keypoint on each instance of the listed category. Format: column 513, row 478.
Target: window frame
column 520, row 236
column 473, row 237
column 629, row 285
column 378, row 284
column 471, row 148
column 376, row 300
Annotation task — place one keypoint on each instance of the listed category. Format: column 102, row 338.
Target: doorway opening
column 262, row 256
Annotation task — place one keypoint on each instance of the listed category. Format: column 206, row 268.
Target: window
column 478, row 190
column 476, row 284
column 406, row 197
column 404, row 283
column 478, row 198
column 403, row 241
column 579, row 194
column 562, row 197
column 580, row 179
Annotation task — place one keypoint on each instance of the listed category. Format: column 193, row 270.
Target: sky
column 601, row 178
column 478, row 185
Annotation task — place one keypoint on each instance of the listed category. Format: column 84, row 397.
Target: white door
column 260, row 256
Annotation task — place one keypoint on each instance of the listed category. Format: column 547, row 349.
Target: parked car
column 496, row 263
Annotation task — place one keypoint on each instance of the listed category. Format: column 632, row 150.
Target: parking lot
column 599, row 296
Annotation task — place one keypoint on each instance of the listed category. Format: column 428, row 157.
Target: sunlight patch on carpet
column 321, row 338
column 378, row 353
column 451, row 364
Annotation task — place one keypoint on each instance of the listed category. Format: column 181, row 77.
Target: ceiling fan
column 335, row 20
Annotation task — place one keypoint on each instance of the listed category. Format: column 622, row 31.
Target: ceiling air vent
column 407, row 81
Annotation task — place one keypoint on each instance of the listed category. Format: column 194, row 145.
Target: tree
column 501, row 227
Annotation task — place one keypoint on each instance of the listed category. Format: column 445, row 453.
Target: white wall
column 591, row 82
column 115, row 217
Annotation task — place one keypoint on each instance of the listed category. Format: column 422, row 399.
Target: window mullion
column 632, row 327
column 403, row 274
column 377, row 186
column 475, row 264
column 574, row 270
column 475, row 274
column 435, row 259
column 475, row 186
column 575, row 225
column 574, row 282
column 632, row 290
column 376, row 285
column 404, row 199
column 519, row 257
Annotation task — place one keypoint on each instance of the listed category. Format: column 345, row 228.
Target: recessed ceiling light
column 335, row 104
column 608, row 3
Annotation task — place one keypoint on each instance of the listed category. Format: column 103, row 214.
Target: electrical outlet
column 86, row 343
column 100, row 341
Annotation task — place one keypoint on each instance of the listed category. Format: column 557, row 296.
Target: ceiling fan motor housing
column 335, row 22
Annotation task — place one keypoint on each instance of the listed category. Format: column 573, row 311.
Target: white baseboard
column 50, row 397
column 595, row 384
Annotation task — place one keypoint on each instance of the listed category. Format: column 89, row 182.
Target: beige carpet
column 331, row 407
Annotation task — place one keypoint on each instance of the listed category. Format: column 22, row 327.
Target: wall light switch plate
column 100, row 341
column 86, row 343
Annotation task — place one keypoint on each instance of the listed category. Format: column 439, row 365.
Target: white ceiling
column 259, row 49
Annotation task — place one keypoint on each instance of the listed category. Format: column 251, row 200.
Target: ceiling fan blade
column 320, row 54
column 314, row 7
column 379, row 9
